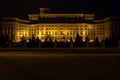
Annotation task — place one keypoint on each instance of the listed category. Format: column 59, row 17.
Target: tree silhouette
column 71, row 42
column 48, row 43
column 32, row 41
column 48, row 39
column 87, row 40
column 78, row 41
column 38, row 42
column 4, row 40
column 113, row 41
column 106, row 42
column 96, row 42
column 55, row 43
column 23, row 42
column 103, row 43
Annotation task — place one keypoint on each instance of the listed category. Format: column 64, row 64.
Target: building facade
column 58, row 26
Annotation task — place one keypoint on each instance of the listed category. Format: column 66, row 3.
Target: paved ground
column 41, row 66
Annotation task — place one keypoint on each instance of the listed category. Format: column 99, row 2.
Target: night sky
column 22, row 7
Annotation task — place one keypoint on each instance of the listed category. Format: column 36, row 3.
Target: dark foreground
column 27, row 65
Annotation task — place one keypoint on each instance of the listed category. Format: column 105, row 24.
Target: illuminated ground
column 27, row 65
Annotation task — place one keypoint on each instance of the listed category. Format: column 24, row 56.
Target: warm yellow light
column 65, row 32
column 52, row 33
column 89, row 27
column 83, row 32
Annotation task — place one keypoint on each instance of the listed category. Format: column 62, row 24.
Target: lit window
column 76, row 28
column 52, row 28
column 103, row 32
column 42, row 37
column 42, row 33
column 91, row 32
column 73, row 32
column 52, row 33
column 81, row 33
column 76, row 32
column 37, row 32
column 61, row 28
column 70, row 32
column 32, row 33
column 97, row 33
column 41, row 28
column 88, row 32
column 85, row 32
column 46, row 32
column 19, row 33
column 55, row 32
column 67, row 33
column 62, row 33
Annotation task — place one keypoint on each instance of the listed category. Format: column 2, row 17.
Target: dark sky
column 23, row 7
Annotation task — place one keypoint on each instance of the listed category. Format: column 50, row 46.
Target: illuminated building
column 58, row 26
